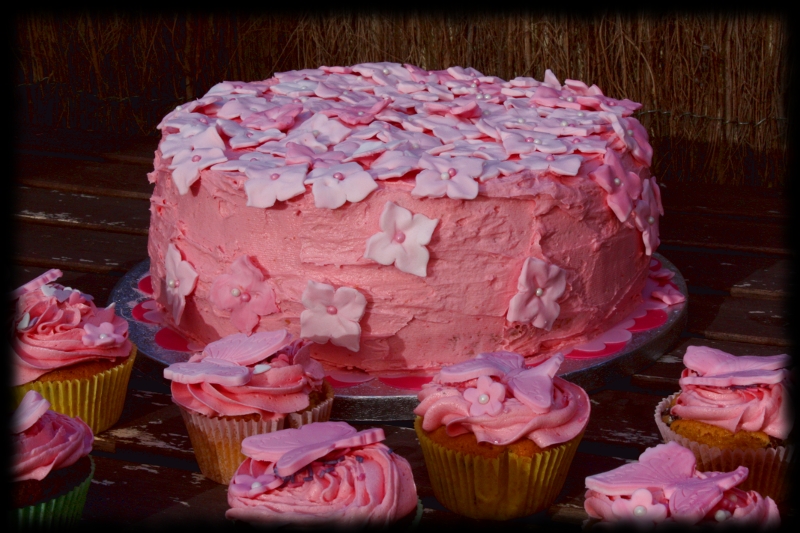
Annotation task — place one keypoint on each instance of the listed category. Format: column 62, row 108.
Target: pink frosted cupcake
column 73, row 353
column 664, row 487
column 733, row 411
column 50, row 467
column 246, row 385
column 323, row 474
column 499, row 437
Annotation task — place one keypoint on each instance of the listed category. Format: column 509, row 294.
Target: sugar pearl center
column 103, row 336
column 339, row 176
column 196, row 158
column 483, row 399
column 236, row 293
column 275, row 176
column 651, row 220
column 399, row 237
column 173, row 283
column 640, row 510
column 331, row 310
column 721, row 515
column 539, row 291
column 617, row 181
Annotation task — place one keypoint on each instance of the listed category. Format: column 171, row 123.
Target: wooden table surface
column 82, row 205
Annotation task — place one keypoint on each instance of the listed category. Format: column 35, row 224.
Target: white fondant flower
column 186, row 165
column 243, row 106
column 402, row 240
column 333, row 186
column 454, row 177
column 179, row 281
column 332, row 315
column 565, row 165
column 249, row 161
column 539, row 286
column 241, row 137
column 266, row 186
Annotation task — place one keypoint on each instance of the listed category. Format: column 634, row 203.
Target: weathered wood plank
column 769, row 283
column 751, row 321
column 665, row 372
column 81, row 250
column 623, row 419
column 724, row 199
column 101, row 178
column 717, row 270
column 745, row 234
column 98, row 285
column 88, row 211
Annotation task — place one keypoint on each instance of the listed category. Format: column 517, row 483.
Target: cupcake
column 246, row 385
column 498, row 437
column 73, row 353
column 322, row 474
column 50, row 467
column 665, row 487
column 733, row 411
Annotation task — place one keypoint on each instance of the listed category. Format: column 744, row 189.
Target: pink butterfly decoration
column 247, row 350
column 716, row 368
column 292, row 449
column 209, row 370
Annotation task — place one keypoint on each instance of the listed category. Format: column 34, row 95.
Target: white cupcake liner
column 217, row 441
column 767, row 467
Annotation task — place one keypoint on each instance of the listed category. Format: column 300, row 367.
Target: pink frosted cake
column 400, row 218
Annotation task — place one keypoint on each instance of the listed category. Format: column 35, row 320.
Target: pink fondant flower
column 249, row 161
column 102, row 335
column 632, row 133
column 332, row 315
column 240, row 137
column 243, row 291
column 487, row 398
column 454, row 177
column 180, row 280
column 298, row 154
column 265, row 186
column 402, row 240
column 669, row 295
column 393, row 164
column 243, row 106
column 246, row 486
column 539, row 286
column 565, row 165
column 641, row 506
column 333, row 186
column 622, row 187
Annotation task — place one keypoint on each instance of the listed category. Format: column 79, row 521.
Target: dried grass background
column 713, row 87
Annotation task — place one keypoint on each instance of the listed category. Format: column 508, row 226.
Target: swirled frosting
column 665, row 487
column 737, row 393
column 56, row 326
column 500, row 400
column 324, row 473
column 267, row 373
column 43, row 440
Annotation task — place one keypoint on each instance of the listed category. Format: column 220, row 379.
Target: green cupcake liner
column 61, row 512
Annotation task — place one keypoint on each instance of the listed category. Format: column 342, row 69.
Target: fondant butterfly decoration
column 710, row 367
column 670, row 469
column 533, row 386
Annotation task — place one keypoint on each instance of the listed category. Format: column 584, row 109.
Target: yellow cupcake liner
column 508, row 486
column 766, row 467
column 217, row 441
column 59, row 513
column 97, row 400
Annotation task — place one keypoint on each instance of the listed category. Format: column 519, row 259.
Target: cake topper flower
column 402, row 240
column 180, row 279
column 103, row 335
column 186, row 165
column 332, row 315
column 249, row 160
column 540, row 284
column 631, row 132
column 241, row 137
column 646, row 214
column 393, row 164
column 486, row 398
column 334, row 186
column 622, row 187
column 265, row 186
column 298, row 154
column 640, row 507
column 565, row 165
column 454, row 177
column 243, row 291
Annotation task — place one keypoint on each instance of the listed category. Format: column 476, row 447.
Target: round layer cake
column 400, row 218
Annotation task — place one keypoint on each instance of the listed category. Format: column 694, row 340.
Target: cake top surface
column 500, row 400
column 57, row 326
column 43, row 440
column 454, row 132
column 664, row 485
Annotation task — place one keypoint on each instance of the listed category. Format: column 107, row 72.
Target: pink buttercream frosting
column 737, row 393
column 664, row 486
column 500, row 400
column 43, row 440
column 56, row 326
column 324, row 473
column 266, row 373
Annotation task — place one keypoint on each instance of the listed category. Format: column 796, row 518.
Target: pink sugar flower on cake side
column 180, row 280
column 402, row 240
column 332, row 315
column 454, row 177
column 245, row 293
column 540, row 284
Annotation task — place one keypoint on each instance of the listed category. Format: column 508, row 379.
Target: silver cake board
column 375, row 401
